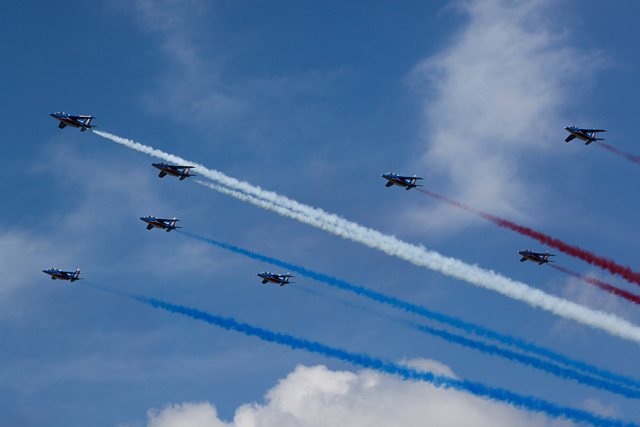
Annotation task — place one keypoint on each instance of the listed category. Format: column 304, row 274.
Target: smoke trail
column 634, row 159
column 599, row 261
column 492, row 350
column 417, row 255
column 602, row 285
column 422, row 311
column 366, row 361
column 533, row 362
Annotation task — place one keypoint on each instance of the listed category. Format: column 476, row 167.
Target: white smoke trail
column 455, row 268
column 417, row 255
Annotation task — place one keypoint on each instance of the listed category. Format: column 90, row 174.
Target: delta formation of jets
column 408, row 182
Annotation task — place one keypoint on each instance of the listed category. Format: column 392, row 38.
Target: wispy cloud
column 493, row 100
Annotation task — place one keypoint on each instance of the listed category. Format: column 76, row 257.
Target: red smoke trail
column 574, row 251
column 634, row 159
column 600, row 284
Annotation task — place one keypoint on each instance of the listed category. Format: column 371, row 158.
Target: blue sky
column 313, row 100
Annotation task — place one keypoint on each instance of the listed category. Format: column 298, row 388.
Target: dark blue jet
column 280, row 279
column 173, row 170
column 588, row 135
column 535, row 256
column 63, row 275
column 82, row 122
column 164, row 224
column 403, row 181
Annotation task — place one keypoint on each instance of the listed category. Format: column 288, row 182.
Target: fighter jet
column 588, row 135
column 535, row 256
column 173, row 170
column 63, row 275
column 82, row 122
column 281, row 279
column 403, row 181
column 165, row 224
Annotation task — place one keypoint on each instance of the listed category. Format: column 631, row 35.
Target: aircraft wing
column 593, row 130
column 62, row 125
column 409, row 177
column 569, row 138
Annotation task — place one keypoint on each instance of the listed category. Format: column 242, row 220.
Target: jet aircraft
column 165, row 224
column 173, row 170
column 281, row 279
column 408, row 182
column 535, row 256
column 82, row 122
column 588, row 135
column 63, row 275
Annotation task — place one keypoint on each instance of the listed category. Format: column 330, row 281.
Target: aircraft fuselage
column 400, row 181
column 533, row 257
column 61, row 275
column 162, row 224
column 66, row 120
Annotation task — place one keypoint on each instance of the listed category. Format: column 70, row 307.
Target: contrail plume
column 366, row 361
column 634, row 159
column 424, row 312
column 488, row 279
column 417, row 255
column 575, row 251
column 533, row 362
column 602, row 285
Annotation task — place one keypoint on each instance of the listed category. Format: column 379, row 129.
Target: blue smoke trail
column 366, row 361
column 422, row 311
column 533, row 362
column 497, row 351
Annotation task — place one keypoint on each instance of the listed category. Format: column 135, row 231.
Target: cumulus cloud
column 493, row 101
column 317, row 396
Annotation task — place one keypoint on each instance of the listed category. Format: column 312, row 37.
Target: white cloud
column 23, row 256
column 493, row 101
column 187, row 415
column 317, row 396
column 595, row 406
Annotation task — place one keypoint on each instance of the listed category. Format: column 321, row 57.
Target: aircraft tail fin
column 187, row 175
